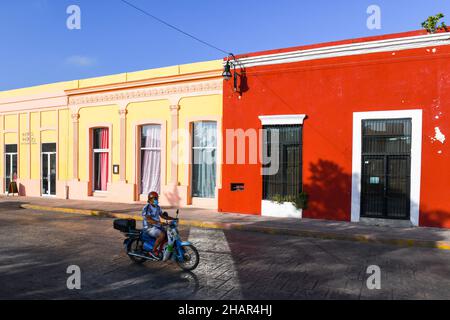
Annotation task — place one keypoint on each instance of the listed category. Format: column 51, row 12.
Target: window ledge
column 290, row 119
column 100, row 194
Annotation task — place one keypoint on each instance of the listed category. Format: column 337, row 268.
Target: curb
column 362, row 238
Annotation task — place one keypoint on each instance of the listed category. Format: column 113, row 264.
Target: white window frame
column 416, row 158
column 204, row 148
column 94, row 152
column 141, row 127
column 270, row 208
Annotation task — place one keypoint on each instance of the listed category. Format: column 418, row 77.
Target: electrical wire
column 173, row 27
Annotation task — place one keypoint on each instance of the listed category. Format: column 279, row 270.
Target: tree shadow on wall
column 435, row 218
column 329, row 191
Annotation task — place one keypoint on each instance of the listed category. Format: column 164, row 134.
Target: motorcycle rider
column 152, row 215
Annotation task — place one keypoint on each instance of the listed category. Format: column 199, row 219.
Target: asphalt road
column 37, row 248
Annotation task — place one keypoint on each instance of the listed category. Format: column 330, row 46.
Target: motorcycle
column 139, row 243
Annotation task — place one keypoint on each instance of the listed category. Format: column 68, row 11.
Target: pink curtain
column 101, row 159
column 104, row 165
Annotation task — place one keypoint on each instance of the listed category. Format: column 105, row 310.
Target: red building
column 360, row 127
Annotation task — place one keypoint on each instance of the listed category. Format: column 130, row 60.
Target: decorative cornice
column 152, row 92
column 201, row 76
column 352, row 49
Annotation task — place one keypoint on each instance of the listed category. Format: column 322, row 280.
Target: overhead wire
column 145, row 12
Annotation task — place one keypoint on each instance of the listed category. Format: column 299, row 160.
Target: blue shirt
column 153, row 213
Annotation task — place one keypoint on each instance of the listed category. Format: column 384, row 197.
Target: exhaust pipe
column 141, row 256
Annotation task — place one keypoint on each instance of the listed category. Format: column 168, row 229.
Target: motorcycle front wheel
column 191, row 258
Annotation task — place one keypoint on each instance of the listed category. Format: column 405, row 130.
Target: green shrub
column 432, row 23
column 300, row 201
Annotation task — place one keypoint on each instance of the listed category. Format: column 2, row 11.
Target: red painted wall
column 328, row 91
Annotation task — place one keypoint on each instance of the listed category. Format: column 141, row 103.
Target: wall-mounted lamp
column 227, row 71
column 227, row 75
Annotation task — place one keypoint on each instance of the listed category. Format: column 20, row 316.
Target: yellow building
column 116, row 138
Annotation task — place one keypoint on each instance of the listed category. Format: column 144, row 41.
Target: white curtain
column 151, row 159
column 204, row 159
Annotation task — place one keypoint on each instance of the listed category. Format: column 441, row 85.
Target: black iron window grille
column 287, row 181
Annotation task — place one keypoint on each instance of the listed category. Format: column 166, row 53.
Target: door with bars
column 386, row 168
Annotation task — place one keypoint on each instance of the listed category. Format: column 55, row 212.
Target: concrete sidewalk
column 203, row 218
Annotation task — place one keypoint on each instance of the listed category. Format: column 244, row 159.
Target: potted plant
column 302, row 201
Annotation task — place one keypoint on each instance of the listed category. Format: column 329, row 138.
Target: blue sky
column 38, row 48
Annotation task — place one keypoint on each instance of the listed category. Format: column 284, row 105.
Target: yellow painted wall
column 139, row 112
column 92, row 82
column 49, row 136
column 59, row 86
column 49, row 119
column 98, row 117
column 35, row 145
column 194, row 107
column 153, row 73
column 58, row 128
column 64, row 145
column 201, row 66
column 116, row 78
column 11, row 122
column 11, row 138
column 24, row 147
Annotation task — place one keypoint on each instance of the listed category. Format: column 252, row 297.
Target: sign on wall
column 27, row 138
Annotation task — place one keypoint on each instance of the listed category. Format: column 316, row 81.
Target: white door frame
column 49, row 154
column 416, row 158
column 11, row 155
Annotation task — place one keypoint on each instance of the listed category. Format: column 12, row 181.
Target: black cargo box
column 125, row 225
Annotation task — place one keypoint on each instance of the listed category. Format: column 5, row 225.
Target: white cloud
column 80, row 61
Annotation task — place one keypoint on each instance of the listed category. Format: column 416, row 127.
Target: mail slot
column 237, row 187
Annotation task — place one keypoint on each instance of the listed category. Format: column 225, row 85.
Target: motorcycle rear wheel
column 191, row 258
column 135, row 246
